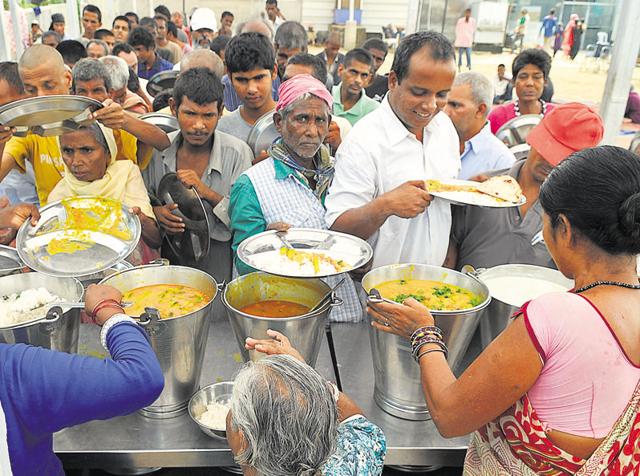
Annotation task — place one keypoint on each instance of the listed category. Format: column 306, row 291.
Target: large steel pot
column 59, row 332
column 304, row 332
column 525, row 282
column 179, row 342
column 397, row 375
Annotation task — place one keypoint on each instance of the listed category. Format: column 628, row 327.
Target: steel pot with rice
column 510, row 286
column 175, row 303
column 25, row 300
column 456, row 301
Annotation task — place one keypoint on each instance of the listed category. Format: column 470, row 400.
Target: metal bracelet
column 416, row 352
column 421, row 331
column 426, row 340
column 428, row 351
column 111, row 322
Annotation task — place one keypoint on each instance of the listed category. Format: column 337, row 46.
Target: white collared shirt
column 380, row 154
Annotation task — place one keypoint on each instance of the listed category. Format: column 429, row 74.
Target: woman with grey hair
column 120, row 93
column 278, row 400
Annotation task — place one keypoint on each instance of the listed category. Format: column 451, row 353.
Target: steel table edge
column 192, row 457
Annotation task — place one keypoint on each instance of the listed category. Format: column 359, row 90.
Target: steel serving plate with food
column 48, row 115
column 497, row 192
column 305, row 253
column 78, row 236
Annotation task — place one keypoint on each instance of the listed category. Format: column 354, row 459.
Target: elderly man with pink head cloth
column 288, row 188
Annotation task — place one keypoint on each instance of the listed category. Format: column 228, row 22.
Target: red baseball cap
column 568, row 128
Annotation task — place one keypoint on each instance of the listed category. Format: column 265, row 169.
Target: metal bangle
column 426, row 340
column 416, row 352
column 428, row 351
column 425, row 329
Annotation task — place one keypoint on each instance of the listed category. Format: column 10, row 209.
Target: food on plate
column 275, row 308
column 215, row 416
column 316, row 259
column 25, row 306
column 501, row 187
column 69, row 242
column 96, row 214
column 435, row 295
column 171, row 300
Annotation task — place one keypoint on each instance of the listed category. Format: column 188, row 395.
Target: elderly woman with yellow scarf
column 91, row 169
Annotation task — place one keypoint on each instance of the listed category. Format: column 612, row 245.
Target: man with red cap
column 288, row 188
column 487, row 237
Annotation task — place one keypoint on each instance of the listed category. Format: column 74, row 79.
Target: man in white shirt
column 468, row 105
column 378, row 192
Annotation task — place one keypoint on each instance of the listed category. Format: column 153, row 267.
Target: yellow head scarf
column 122, row 181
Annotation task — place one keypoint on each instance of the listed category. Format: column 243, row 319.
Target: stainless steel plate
column 262, row 134
column 165, row 122
column 48, row 115
column 474, row 198
column 162, row 81
column 91, row 251
column 10, row 262
column 192, row 245
column 515, row 131
column 262, row 251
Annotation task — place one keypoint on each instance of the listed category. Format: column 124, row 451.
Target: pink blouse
column 587, row 380
column 503, row 113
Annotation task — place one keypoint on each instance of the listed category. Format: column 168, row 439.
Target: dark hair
column 72, row 51
column 439, row 48
column 271, row 2
column 172, row 28
column 249, row 51
column 56, row 18
column 199, row 85
column 9, row 73
column 120, row 48
column 360, row 55
column 501, row 65
column 101, row 33
column 226, row 14
column 375, row 44
column 161, row 100
column 160, row 18
column 145, row 21
column 219, row 44
column 121, row 18
column 598, row 190
column 134, row 15
column 536, row 57
column 141, row 37
column 318, row 64
column 93, row 9
column 164, row 11
column 49, row 33
column 290, row 35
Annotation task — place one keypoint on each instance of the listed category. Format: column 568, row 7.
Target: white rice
column 215, row 416
column 25, row 306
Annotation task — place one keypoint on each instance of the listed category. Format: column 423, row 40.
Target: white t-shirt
column 380, row 154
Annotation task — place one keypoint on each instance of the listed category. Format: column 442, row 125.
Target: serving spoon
column 323, row 300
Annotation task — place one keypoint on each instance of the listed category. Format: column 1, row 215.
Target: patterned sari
column 515, row 444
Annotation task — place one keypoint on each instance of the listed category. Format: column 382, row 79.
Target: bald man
column 203, row 59
column 256, row 26
column 44, row 73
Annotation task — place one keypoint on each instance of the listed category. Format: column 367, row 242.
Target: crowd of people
column 354, row 149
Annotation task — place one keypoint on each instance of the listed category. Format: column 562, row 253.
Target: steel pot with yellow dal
column 175, row 303
column 260, row 301
column 456, row 301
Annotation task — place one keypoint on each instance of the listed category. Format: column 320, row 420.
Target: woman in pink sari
column 558, row 392
column 569, row 38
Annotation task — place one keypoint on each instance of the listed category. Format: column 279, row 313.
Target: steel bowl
column 10, row 262
column 216, row 392
column 262, row 134
column 515, row 131
column 165, row 122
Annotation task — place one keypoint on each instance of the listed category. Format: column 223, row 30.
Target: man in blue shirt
column 468, row 105
column 149, row 63
column 548, row 28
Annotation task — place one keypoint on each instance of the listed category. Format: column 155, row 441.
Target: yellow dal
column 171, row 300
column 435, row 295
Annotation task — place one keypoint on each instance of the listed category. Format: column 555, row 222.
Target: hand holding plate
column 111, row 115
column 171, row 223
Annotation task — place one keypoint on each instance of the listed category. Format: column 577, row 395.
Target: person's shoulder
column 236, row 146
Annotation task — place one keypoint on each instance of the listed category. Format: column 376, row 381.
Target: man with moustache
column 378, row 192
column 203, row 158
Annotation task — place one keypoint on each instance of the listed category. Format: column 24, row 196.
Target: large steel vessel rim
column 169, row 266
column 320, row 311
column 43, row 319
column 443, row 313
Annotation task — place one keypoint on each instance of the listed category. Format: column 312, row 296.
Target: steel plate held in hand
column 48, row 115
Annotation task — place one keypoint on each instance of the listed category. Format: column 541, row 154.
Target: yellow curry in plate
column 171, row 300
column 435, row 295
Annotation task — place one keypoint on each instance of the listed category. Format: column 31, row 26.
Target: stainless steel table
column 135, row 441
